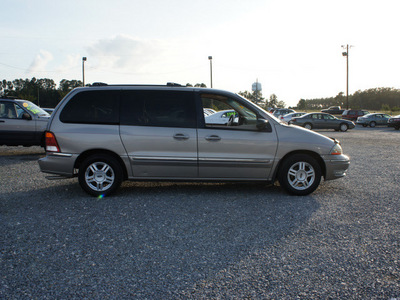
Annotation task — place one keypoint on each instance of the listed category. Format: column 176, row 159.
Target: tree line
column 385, row 99
column 42, row 92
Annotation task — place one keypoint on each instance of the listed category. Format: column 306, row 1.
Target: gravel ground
column 204, row 241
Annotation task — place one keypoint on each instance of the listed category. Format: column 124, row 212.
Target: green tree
column 254, row 96
column 203, row 85
column 302, row 104
column 68, row 85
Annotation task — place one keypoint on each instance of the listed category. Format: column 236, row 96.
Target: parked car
column 104, row 134
column 220, row 117
column 373, row 120
column 208, row 111
column 354, row 114
column 282, row 111
column 322, row 121
column 286, row 118
column 333, row 110
column 21, row 123
column 394, row 122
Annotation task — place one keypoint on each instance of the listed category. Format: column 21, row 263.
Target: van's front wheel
column 100, row 175
column 300, row 174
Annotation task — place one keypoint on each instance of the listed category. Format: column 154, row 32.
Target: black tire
column 372, row 124
column 344, row 127
column 308, row 126
column 100, row 175
column 300, row 174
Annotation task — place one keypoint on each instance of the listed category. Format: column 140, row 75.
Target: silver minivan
column 104, row 134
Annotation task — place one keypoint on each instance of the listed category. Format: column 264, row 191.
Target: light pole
column 210, row 58
column 346, row 54
column 83, row 70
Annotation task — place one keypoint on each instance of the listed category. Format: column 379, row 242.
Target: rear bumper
column 336, row 166
column 58, row 163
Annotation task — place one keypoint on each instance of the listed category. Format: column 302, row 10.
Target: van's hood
column 296, row 137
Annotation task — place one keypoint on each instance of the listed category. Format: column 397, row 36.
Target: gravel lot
column 204, row 241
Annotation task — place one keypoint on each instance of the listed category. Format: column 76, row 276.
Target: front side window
column 92, row 107
column 230, row 113
column 158, row 108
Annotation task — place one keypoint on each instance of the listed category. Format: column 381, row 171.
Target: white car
column 220, row 117
column 208, row 111
column 286, row 118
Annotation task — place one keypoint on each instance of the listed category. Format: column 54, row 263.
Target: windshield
column 32, row 108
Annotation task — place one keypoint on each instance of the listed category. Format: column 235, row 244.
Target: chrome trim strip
column 160, row 158
column 236, row 160
column 60, row 154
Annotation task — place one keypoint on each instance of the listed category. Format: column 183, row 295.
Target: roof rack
column 173, row 84
column 99, row 84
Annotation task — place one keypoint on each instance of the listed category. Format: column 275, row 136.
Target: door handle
column 213, row 138
column 181, row 136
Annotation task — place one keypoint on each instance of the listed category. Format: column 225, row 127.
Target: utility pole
column 83, row 70
column 210, row 58
column 346, row 54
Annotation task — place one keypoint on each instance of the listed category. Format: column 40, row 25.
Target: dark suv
column 353, row 114
column 22, row 123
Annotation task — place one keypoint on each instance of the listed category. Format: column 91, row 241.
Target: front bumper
column 336, row 166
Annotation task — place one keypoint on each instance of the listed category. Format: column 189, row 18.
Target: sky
column 292, row 47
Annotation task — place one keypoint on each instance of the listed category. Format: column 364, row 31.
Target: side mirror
column 26, row 116
column 264, row 125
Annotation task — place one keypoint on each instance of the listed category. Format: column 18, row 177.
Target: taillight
column 51, row 142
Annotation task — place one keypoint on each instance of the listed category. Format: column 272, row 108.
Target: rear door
column 318, row 121
column 158, row 130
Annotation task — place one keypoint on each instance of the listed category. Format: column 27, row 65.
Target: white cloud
column 40, row 62
column 124, row 52
column 126, row 59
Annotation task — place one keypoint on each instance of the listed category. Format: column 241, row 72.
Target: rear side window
column 158, row 108
column 92, row 107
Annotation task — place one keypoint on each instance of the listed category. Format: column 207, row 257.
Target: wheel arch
column 91, row 152
column 314, row 155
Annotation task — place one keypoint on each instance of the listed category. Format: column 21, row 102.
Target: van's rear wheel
column 100, row 175
column 300, row 174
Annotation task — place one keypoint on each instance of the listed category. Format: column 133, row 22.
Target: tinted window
column 92, row 107
column 158, row 108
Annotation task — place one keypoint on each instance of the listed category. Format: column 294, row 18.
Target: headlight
column 336, row 150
